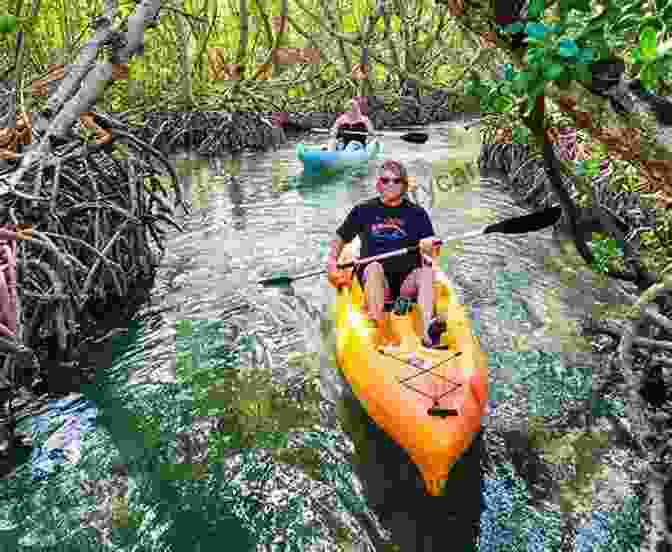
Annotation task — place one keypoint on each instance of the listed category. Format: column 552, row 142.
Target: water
column 208, row 319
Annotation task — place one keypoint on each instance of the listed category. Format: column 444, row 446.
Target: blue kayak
column 317, row 160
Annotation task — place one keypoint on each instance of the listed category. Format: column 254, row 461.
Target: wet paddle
column 518, row 225
column 412, row 137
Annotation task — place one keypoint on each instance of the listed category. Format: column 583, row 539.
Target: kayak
column 430, row 401
column 317, row 160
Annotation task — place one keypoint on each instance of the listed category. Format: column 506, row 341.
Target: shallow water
column 258, row 217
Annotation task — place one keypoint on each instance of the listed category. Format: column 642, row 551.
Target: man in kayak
column 388, row 223
column 349, row 128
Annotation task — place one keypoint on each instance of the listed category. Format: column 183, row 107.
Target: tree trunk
column 184, row 59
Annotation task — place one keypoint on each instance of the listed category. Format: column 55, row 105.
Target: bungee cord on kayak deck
column 435, row 409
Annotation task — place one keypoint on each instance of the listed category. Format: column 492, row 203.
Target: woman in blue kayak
column 350, row 129
column 387, row 223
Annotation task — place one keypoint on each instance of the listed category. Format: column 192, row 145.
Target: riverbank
column 216, row 133
column 643, row 382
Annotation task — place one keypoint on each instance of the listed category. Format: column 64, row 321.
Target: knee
column 374, row 268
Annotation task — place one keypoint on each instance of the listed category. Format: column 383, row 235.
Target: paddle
column 518, row 225
column 412, row 137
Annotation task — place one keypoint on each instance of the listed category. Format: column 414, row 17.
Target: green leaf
column 597, row 22
column 652, row 21
column 553, row 71
column 535, row 56
column 503, row 104
column 649, row 76
column 520, row 135
column 593, row 38
column 585, row 6
column 530, row 105
column 395, row 23
column 537, row 87
column 632, row 7
column 647, row 42
column 664, row 48
column 535, row 9
column 350, row 24
column 504, row 88
column 637, row 56
column 664, row 66
column 629, row 21
column 592, row 167
column 582, row 72
column 520, row 82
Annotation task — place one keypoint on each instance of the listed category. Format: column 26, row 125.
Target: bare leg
column 420, row 282
column 426, row 297
column 374, row 289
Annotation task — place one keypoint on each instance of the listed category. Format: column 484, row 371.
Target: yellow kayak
column 430, row 401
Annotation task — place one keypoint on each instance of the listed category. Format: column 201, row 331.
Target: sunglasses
column 385, row 181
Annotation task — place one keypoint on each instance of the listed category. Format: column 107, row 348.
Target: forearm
column 335, row 249
column 428, row 245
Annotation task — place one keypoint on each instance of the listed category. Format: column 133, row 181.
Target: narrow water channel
column 257, row 216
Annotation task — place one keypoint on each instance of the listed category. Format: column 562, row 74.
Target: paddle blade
column 277, row 281
column 415, row 137
column 528, row 223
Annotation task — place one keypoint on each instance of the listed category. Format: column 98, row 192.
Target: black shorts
column 394, row 280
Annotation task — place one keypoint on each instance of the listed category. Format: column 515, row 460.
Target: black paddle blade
column 415, row 137
column 277, row 281
column 528, row 223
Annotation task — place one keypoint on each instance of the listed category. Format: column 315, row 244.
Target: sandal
column 431, row 344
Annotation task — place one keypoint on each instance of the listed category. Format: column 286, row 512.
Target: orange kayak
column 430, row 401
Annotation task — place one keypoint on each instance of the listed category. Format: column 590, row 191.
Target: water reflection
column 237, row 199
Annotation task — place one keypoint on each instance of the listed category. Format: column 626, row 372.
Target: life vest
column 347, row 137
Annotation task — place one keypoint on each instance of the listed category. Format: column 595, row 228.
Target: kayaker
column 348, row 127
column 386, row 223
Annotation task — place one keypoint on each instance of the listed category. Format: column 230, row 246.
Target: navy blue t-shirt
column 383, row 229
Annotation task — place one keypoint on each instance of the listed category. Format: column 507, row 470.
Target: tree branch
column 87, row 58
column 96, row 80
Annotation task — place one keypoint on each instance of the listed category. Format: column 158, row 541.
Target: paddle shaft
column 396, row 253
